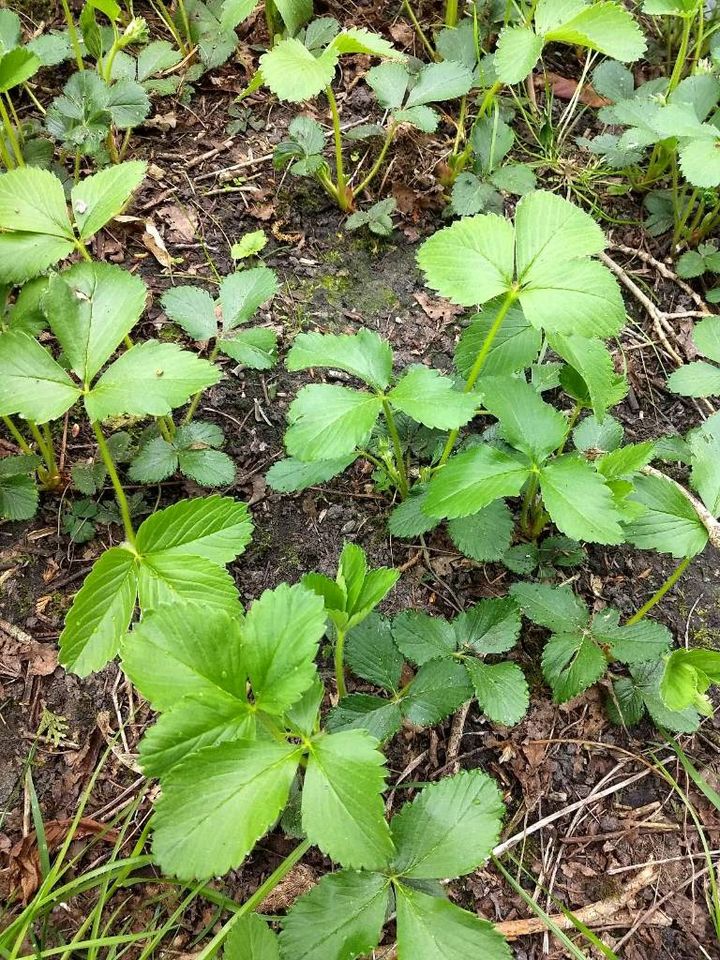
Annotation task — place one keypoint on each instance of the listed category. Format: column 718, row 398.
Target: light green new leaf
column 363, row 354
column 32, row 384
column 669, row 523
column 25, row 255
column 449, row 829
column 251, row 938
column 705, row 476
column 281, row 634
column 197, row 720
column 440, row 81
column 430, row 398
column 518, row 50
column 193, row 309
column 99, row 198
column 328, row 422
column 707, row 337
column 430, row 927
column 33, row 201
column 16, row 67
column 290, row 475
column 360, row 40
column 603, row 26
column 579, row 501
column 339, row 919
column 185, row 649
column 91, row 308
column 422, row 117
column 218, row 528
column 217, row 804
column 592, row 360
column 501, row 690
column 342, row 806
column 700, row 162
column 490, row 626
column 696, row 379
column 572, row 662
column 390, row 82
column 422, row 638
column 573, row 297
column 243, row 293
column 556, row 608
column 181, row 579
column 150, row 378
column 484, row 536
column 526, row 421
column 100, row 614
column 376, row 586
column 294, row 74
column 472, row 480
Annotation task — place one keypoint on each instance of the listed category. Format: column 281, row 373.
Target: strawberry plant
column 700, row 378
column 687, row 677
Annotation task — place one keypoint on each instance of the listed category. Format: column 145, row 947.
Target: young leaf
column 342, row 808
column 472, row 480
column 579, row 501
column 669, row 523
column 501, row 690
column 490, row 626
column 218, row 528
column 32, row 384
column 484, row 536
column 100, row 613
column 526, row 422
column 360, row 40
column 328, row 422
column 33, row 201
column 556, row 608
column 364, row 355
column 150, row 378
column 280, row 639
column 217, row 804
column 389, row 81
column 193, row 309
column 422, row 638
column 251, row 938
column 294, row 74
column 449, row 829
column 99, row 198
column 518, row 50
column 591, row 359
column 339, row 919
column 431, row 399
column 243, row 293
column 180, row 579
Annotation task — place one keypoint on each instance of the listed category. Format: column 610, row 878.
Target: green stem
column 676, row 75
column 164, row 15
column 479, row 363
column 271, row 18
column 339, row 164
column 16, row 435
column 73, row 34
column 7, row 123
column 340, row 662
column 50, row 446
column 451, row 13
column 572, row 420
column 48, row 455
column 192, row 409
column 185, row 21
column 659, row 594
column 397, row 447
column 328, row 186
column 489, row 98
column 278, row 874
column 375, row 169
column 460, row 132
column 83, row 250
column 28, row 90
column 419, row 30
column 4, row 155
column 528, row 518
column 117, row 485
column 16, row 118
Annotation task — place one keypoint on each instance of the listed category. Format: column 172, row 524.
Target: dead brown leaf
column 437, row 309
column 565, row 87
column 153, row 242
column 181, row 223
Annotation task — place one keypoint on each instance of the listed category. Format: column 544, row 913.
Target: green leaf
column 193, row 309
column 572, row 662
column 339, row 919
column 217, row 804
column 526, row 421
column 630, row 643
column 251, row 938
column 249, row 245
column 579, row 501
column 472, row 480
column 91, row 308
column 218, row 528
column 490, row 626
column 422, row 117
column 669, row 523
column 700, row 162
column 156, row 57
column 376, row 586
column 471, row 261
column 360, row 711
column 648, row 681
column 243, row 293
column 32, row 385
column 33, row 201
column 431, row 399
column 704, row 444
column 449, row 829
column 181, row 579
column 150, row 378
column 486, row 535
column 501, row 690
column 10, row 30
column 707, row 337
column 292, row 72
column 16, row 67
column 592, row 360
column 430, row 927
column 100, row 613
column 440, row 687
column 408, row 518
column 592, row 434
column 625, row 707
column 342, row 807
column 518, row 50
column 472, row 195
column 514, row 178
column 389, row 81
column 128, row 104
column 184, row 649
column 626, row 461
column 281, row 634
column 97, row 199
column 516, row 345
column 25, row 255
column 18, row 495
column 574, row 297
column 440, row 81
column 697, row 379
column 196, row 721
column 290, row 475
column 422, row 638
column 603, row 26
column 156, row 461
column 328, row 422
column 255, row 349
column 556, row 608
column 364, row 355
column 360, row 40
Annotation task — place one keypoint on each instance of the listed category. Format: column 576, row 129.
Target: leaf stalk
column 117, row 485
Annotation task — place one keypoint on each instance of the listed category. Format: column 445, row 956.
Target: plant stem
column 50, row 446
column 164, row 15
column 659, row 594
column 451, row 13
column 278, row 874
column 16, row 435
column 479, row 363
column 419, row 30
column 47, row 453
column 340, row 662
column 342, row 189
column 528, row 519
column 115, row 480
column 16, row 118
column 185, row 21
column 9, row 129
column 375, row 169
column 4, row 155
column 461, row 160
column 73, row 34
column 28, row 90
column 192, row 409
column 397, row 447
column 682, row 53
column 83, row 250
column 271, row 18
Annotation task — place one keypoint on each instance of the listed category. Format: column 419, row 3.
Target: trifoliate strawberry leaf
column 630, row 643
column 422, row 638
column 484, row 536
column 556, row 608
column 99, row 198
column 440, row 687
column 472, row 480
column 364, row 355
column 431, row 399
column 591, row 359
column 342, row 807
column 218, row 528
column 501, row 690
column 327, row 422
column 243, row 293
column 217, row 804
column 100, row 613
column 490, row 626
column 33, row 385
column 669, row 523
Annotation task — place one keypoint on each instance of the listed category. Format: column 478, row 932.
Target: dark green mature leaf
column 572, row 662
column 490, row 626
column 471, row 195
column 100, row 614
column 328, row 422
column 501, row 690
column 439, row 688
column 342, row 807
column 251, row 938
column 370, row 652
column 281, row 634
column 408, row 518
column 218, row 528
column 422, row 638
column 32, row 383
column 156, row 461
column 669, row 523
column 431, row 399
column 99, row 198
column 217, row 804
column 380, row 718
column 625, row 706
column 526, row 422
column 486, row 535
column 363, row 354
column 430, row 927
column 556, row 608
column 339, row 919
column 449, row 829
column 440, row 81
column 592, row 360
column 18, row 494
column 579, row 501
column 127, row 103
column 472, row 480
column 647, row 678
